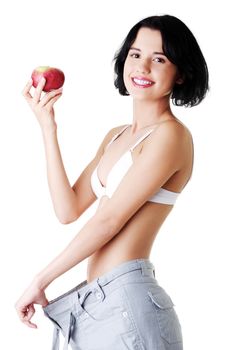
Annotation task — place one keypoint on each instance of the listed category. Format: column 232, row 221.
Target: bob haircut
column 181, row 48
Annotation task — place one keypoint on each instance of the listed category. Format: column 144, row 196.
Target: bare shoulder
column 170, row 141
column 172, row 131
column 180, row 128
column 107, row 138
column 110, row 134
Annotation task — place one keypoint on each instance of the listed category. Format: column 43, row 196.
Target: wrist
column 41, row 282
column 49, row 131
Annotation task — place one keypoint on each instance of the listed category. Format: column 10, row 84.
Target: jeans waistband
column 84, row 289
column 145, row 265
column 102, row 285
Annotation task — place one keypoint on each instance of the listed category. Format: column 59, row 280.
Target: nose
column 143, row 66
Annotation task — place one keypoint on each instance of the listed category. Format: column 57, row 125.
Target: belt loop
column 145, row 269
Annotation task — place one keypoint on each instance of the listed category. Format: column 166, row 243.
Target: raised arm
column 69, row 202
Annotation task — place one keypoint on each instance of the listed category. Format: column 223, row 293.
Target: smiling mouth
column 142, row 83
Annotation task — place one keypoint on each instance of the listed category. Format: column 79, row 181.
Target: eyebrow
column 156, row 52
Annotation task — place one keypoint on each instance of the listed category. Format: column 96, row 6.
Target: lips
column 142, row 82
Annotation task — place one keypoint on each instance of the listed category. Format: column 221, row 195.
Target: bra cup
column 117, row 173
column 95, row 184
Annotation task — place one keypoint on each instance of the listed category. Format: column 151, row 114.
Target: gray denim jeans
column 124, row 309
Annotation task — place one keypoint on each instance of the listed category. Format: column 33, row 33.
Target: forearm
column 62, row 194
column 95, row 234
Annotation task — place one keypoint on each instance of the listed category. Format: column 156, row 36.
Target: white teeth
column 142, row 82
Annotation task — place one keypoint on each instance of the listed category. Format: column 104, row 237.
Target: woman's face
column 148, row 74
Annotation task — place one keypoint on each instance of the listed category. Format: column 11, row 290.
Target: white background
column 192, row 253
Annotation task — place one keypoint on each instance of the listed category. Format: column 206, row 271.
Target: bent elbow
column 67, row 219
column 64, row 221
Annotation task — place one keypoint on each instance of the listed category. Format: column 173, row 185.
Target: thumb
column 51, row 102
column 44, row 302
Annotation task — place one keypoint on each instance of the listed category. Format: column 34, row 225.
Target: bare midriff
column 134, row 241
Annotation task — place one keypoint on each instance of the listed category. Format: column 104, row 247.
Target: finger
column 39, row 89
column 26, row 89
column 31, row 311
column 49, row 96
column 30, row 324
column 45, row 302
column 26, row 314
column 50, row 104
column 22, row 313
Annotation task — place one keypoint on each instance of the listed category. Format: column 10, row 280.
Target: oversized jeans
column 124, row 309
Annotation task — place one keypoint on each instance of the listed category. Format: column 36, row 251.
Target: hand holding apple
column 54, row 77
column 42, row 105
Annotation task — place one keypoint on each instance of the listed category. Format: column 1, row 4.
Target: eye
column 134, row 55
column 159, row 60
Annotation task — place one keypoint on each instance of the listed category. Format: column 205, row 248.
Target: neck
column 146, row 114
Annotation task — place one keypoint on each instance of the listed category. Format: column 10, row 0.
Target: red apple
column 54, row 77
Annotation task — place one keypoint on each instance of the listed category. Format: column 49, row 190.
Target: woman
column 137, row 174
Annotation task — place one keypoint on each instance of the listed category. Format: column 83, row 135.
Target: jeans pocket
column 108, row 317
column 168, row 322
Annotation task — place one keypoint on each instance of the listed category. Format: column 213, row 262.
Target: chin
column 141, row 95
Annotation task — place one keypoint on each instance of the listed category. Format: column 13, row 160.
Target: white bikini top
column 119, row 170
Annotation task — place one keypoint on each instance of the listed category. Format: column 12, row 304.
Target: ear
column 179, row 81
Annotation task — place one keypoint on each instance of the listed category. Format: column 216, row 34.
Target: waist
column 132, row 269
